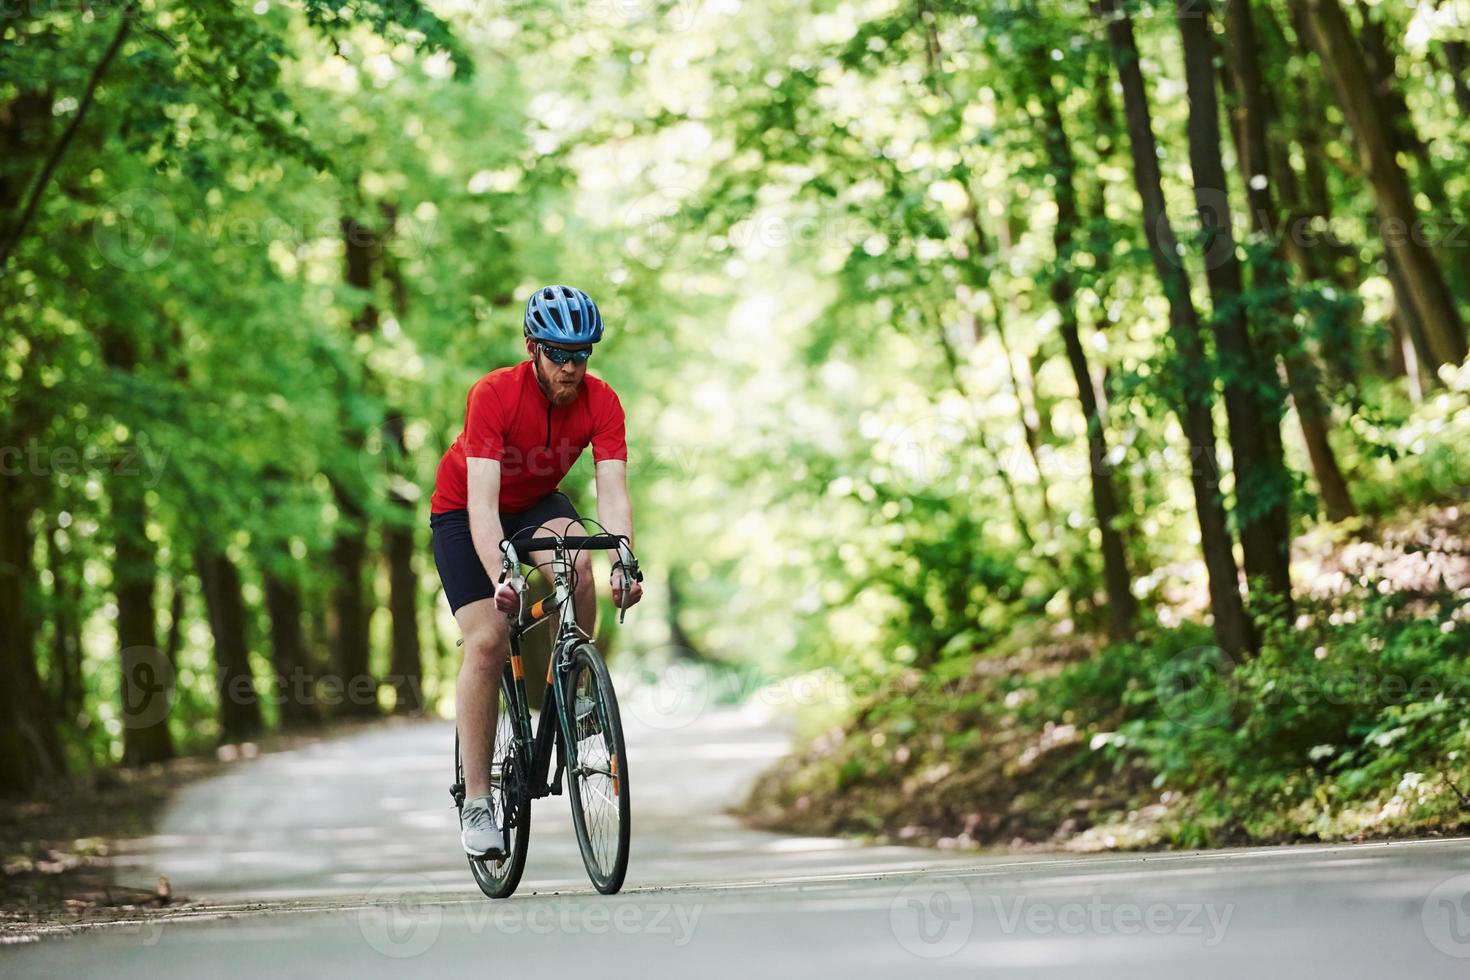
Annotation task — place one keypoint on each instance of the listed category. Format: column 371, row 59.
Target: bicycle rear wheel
column 597, row 763
column 510, row 800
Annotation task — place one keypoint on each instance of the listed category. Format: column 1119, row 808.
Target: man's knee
column 583, row 569
column 485, row 648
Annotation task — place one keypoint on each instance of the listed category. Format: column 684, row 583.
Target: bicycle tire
column 510, row 795
column 601, row 794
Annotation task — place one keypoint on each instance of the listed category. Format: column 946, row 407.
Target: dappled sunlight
column 1047, row 430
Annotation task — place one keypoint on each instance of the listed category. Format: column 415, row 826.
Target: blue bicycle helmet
column 563, row 315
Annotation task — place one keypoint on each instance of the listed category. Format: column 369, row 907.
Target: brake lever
column 631, row 574
column 511, row 568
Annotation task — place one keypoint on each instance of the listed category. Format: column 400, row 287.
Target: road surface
column 340, row 859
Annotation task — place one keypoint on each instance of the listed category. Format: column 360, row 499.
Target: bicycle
column 583, row 726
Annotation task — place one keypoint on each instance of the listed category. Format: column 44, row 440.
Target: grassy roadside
column 1351, row 724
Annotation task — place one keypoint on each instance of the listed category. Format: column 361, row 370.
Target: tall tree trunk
column 1098, row 239
column 1381, row 70
column 1266, row 221
column 147, row 686
column 351, row 610
column 351, row 603
column 1305, row 233
column 1404, row 358
column 299, row 706
column 1252, row 394
column 1307, row 200
column 398, row 546
column 295, row 674
column 174, row 644
column 1457, row 65
column 1410, row 323
column 147, row 677
column 684, row 645
column 1122, row 607
column 224, row 603
column 1232, row 629
column 26, row 121
column 66, row 644
column 1428, row 294
column 1382, row 63
column 1309, row 110
column 406, row 662
column 30, row 749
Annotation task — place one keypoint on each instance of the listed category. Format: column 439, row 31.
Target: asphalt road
column 341, row 859
column 338, row 817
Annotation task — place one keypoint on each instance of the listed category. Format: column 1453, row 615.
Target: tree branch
column 57, row 151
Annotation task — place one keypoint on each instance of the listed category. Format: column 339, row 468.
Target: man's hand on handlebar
column 625, row 591
column 506, row 599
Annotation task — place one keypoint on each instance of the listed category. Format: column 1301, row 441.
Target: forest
column 1071, row 392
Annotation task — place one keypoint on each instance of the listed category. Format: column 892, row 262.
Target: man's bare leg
column 476, row 697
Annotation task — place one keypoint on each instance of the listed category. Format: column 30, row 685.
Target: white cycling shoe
column 478, row 833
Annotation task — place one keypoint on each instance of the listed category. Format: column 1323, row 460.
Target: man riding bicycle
column 525, row 426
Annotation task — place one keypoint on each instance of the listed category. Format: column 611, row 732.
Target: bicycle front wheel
column 597, row 763
column 510, row 800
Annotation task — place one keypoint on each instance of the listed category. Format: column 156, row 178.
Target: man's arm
column 483, row 484
column 614, row 507
column 615, row 511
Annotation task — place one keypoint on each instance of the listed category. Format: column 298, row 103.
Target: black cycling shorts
column 460, row 570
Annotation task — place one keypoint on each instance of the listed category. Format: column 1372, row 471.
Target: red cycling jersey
column 509, row 418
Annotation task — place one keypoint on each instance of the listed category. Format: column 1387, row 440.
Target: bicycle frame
column 525, row 762
column 534, row 753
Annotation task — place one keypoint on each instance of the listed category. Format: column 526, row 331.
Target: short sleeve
column 609, row 440
column 485, row 423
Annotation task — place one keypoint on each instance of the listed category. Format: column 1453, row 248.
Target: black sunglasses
column 560, row 355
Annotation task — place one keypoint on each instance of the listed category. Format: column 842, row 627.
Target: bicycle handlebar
column 511, row 552
column 593, row 542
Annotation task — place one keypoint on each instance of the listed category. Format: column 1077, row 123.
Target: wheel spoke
column 596, row 775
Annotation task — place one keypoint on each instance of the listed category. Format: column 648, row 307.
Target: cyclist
column 524, row 428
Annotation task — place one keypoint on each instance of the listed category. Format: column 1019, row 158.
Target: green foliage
column 825, row 240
